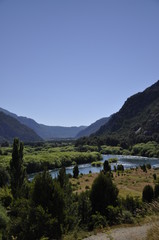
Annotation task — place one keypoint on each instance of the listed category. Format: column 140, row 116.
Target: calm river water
column 127, row 161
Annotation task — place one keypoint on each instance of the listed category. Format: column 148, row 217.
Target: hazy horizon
column 67, row 63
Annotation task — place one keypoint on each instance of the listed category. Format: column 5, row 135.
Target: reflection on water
column 127, row 161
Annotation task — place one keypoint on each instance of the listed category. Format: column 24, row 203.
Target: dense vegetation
column 148, row 149
column 38, row 157
column 48, row 208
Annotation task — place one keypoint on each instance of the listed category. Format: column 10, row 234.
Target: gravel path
column 124, row 233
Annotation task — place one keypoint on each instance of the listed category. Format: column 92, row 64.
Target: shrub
column 113, row 214
column 127, row 217
column 103, row 193
column 4, row 177
column 148, row 166
column 112, row 160
column 147, row 194
column 120, row 167
column 156, row 191
column 143, row 167
column 5, row 197
column 3, row 218
column 131, row 203
column 98, row 221
column 154, row 176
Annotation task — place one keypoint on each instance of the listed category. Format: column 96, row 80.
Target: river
column 127, row 161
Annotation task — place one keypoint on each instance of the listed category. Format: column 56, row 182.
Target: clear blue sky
column 71, row 62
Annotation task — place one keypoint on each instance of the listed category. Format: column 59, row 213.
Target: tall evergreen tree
column 75, row 171
column 17, row 171
column 62, row 177
column 106, row 167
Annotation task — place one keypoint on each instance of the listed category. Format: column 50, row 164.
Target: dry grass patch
column 130, row 182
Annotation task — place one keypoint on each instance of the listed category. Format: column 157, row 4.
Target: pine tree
column 17, row 171
column 106, row 167
column 75, row 171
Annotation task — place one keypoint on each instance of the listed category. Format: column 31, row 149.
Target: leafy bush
column 156, row 191
column 127, row 217
column 5, row 197
column 154, row 176
column 3, row 217
column 4, row 177
column 143, row 167
column 120, row 167
column 98, row 221
column 112, row 160
column 113, row 214
column 131, row 203
column 147, row 194
column 97, row 164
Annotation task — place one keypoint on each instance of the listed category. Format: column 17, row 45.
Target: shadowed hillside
column 94, row 127
column 11, row 128
column 44, row 131
column 138, row 119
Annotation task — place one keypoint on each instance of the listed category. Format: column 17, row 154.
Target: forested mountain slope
column 138, row 119
column 94, row 127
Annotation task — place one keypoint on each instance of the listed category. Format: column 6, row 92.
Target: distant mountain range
column 56, row 132
column 44, row 132
column 94, row 127
column 137, row 120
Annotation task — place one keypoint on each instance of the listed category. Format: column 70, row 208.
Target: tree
column 156, row 190
column 106, row 167
column 62, row 177
column 47, row 193
column 103, row 193
column 84, row 207
column 4, row 177
column 147, row 194
column 17, row 171
column 75, row 171
column 120, row 167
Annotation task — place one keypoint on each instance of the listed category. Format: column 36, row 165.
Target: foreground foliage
column 48, row 208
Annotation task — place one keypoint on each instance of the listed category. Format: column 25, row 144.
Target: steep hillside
column 138, row 119
column 94, row 127
column 44, row 131
column 11, row 128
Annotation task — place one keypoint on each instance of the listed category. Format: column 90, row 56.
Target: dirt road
column 124, row 233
